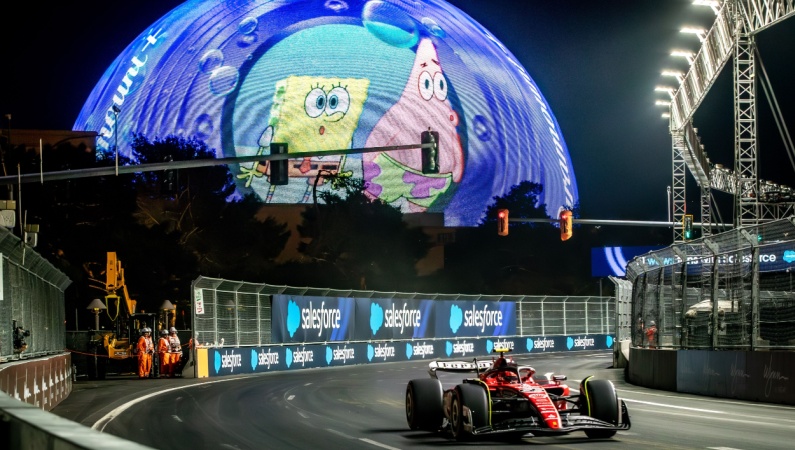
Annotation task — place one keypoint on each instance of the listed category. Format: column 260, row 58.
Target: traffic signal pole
column 174, row 165
column 637, row 223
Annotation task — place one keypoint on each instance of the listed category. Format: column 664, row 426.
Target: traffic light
column 502, row 222
column 566, row 225
column 430, row 156
column 278, row 167
column 687, row 223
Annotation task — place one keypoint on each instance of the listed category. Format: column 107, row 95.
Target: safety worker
column 175, row 352
column 651, row 334
column 163, row 353
column 145, row 351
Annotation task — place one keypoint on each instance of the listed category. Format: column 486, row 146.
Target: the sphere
column 324, row 75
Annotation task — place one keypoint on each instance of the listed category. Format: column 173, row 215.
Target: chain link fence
column 238, row 314
column 732, row 290
column 31, row 302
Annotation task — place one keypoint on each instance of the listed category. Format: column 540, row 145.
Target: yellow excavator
column 119, row 342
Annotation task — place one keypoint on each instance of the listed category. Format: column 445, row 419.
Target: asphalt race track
column 362, row 407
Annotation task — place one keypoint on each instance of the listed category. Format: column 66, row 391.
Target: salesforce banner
column 385, row 318
column 312, row 319
column 233, row 361
column 475, row 318
column 297, row 319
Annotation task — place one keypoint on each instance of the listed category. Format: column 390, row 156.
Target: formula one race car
column 507, row 399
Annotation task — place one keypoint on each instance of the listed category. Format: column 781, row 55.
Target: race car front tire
column 475, row 398
column 424, row 408
column 602, row 403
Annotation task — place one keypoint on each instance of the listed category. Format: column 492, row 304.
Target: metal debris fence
column 238, row 314
column 31, row 302
column 732, row 290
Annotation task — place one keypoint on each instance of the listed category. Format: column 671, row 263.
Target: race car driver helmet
column 506, row 376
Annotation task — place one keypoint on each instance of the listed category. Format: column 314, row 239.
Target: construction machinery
column 116, row 345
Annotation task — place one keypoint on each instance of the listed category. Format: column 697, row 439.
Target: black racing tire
column 474, row 397
column 600, row 402
column 424, row 407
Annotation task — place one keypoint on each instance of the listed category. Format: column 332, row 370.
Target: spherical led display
column 341, row 76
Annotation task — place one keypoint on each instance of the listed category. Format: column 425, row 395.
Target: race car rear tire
column 424, row 408
column 600, row 402
column 475, row 398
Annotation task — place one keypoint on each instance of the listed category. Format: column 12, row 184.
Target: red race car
column 505, row 398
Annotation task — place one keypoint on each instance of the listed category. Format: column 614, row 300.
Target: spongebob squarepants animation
column 324, row 75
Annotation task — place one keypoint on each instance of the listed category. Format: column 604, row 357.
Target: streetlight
column 96, row 306
column 116, row 112
column 166, row 307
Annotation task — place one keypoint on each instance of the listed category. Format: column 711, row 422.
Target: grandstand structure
column 731, row 37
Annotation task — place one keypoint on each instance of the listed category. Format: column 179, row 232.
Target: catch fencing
column 31, row 302
column 238, row 314
column 732, row 290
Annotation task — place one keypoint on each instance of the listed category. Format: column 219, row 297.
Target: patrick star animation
column 396, row 177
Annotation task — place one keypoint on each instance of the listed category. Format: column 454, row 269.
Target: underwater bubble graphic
column 204, row 126
column 390, row 24
column 223, row 80
column 481, row 126
column 336, row 5
column 247, row 25
column 433, row 27
column 211, row 60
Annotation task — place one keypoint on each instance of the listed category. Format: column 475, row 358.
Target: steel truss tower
column 731, row 35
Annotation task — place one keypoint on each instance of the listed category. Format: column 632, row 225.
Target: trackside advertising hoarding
column 300, row 319
column 232, row 361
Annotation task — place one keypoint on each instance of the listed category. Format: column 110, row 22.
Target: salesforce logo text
column 544, row 344
column 230, row 361
column 482, row 318
column 303, row 356
column 504, row 344
column 400, row 318
column 462, row 348
column 343, row 354
column 384, row 351
column 320, row 319
column 422, row 350
column 267, row 359
column 584, row 343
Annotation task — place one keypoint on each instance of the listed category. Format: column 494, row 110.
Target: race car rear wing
column 458, row 366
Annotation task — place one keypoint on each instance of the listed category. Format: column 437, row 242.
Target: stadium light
column 662, row 103
column 684, row 54
column 674, row 74
column 666, row 89
column 714, row 4
column 699, row 32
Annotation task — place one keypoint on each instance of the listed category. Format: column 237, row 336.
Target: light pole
column 167, row 307
column 96, row 306
column 116, row 112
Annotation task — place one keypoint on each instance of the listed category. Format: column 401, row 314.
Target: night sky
column 596, row 63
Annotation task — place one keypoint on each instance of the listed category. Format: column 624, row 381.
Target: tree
column 167, row 227
column 364, row 243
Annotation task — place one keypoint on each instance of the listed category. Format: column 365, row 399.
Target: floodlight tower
column 730, row 37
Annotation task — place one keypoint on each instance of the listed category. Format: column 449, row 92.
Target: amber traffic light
column 502, row 222
column 566, row 225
